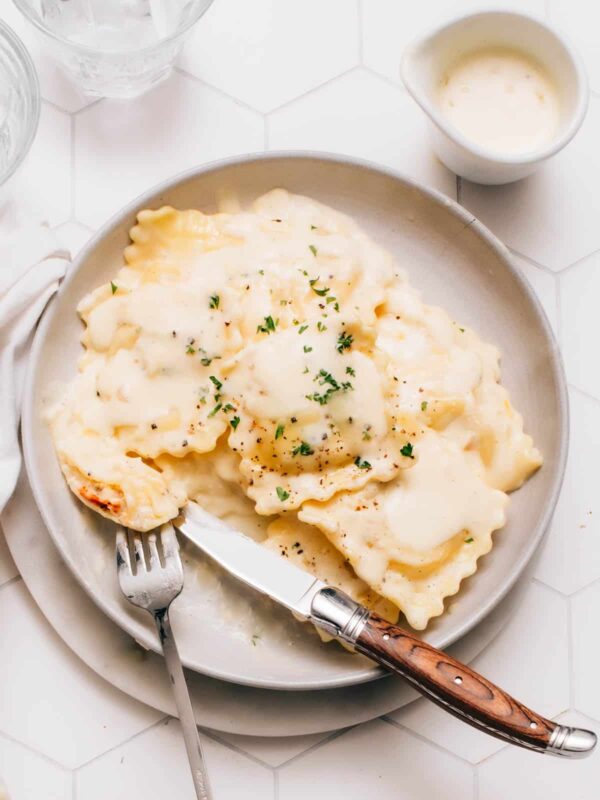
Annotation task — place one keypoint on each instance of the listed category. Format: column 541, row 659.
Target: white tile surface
column 122, row 149
column 389, row 25
column 571, row 557
column 544, row 284
column 580, row 287
column 267, row 52
column 273, row 751
column 50, row 700
column 385, row 126
column 43, row 185
column 551, row 216
column 584, row 610
column 128, row 773
column 541, row 622
column 511, row 774
column 29, row 776
column 305, row 56
column 580, row 20
column 8, row 569
column 376, row 760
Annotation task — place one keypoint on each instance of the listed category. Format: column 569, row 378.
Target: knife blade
column 453, row 686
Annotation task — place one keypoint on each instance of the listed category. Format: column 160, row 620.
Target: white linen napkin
column 32, row 264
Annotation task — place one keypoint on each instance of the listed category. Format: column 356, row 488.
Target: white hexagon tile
column 361, row 115
column 389, row 25
column 550, row 217
column 580, row 20
column 270, row 51
column 541, row 621
column 283, row 74
column 122, row 149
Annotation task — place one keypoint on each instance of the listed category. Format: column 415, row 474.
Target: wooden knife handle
column 466, row 694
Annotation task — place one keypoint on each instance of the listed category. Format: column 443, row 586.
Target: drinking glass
column 114, row 48
column 19, row 105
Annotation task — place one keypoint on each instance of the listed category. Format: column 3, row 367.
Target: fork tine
column 153, row 551
column 138, row 549
column 123, row 559
column 170, row 544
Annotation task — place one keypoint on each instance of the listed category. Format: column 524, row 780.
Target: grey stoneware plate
column 225, row 630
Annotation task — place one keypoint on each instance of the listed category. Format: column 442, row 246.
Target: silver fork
column 153, row 584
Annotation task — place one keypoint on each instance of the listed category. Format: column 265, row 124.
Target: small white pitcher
column 425, row 60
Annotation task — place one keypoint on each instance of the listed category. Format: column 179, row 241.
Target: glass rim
column 33, row 99
column 25, row 8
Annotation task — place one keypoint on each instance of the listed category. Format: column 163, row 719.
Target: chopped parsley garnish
column 312, row 249
column 214, row 301
column 205, row 361
column 469, row 540
column 269, row 325
column 330, row 299
column 190, row 350
column 282, row 494
column 344, row 341
column 234, row 422
column 407, row 450
column 228, row 407
column 424, row 405
column 261, row 272
column 302, row 328
column 279, row 431
column 307, row 349
column 113, row 287
column 366, row 433
column 326, row 378
column 362, row 463
column 216, row 382
column 321, row 327
column 256, row 636
column 336, row 305
column 215, row 409
column 321, row 292
column 313, row 227
column 462, row 330
column 351, row 371
column 303, row 449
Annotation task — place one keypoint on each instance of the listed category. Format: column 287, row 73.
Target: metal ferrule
column 571, row 742
column 338, row 615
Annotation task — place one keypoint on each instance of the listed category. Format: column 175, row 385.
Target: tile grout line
column 475, row 781
column 241, row 103
column 582, row 589
column 578, row 262
column 334, row 735
column 213, row 736
column 409, row 732
column 398, row 85
column 570, row 653
column 583, row 393
column 354, row 68
column 540, row 582
column 124, row 742
column 35, row 751
column 532, row 262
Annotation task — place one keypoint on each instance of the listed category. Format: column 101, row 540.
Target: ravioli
column 275, row 365
column 307, row 548
column 414, row 539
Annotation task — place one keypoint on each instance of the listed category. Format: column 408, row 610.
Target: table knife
column 453, row 686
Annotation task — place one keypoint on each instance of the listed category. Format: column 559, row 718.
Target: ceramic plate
column 225, row 630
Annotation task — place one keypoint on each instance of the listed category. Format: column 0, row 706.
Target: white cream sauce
column 501, row 99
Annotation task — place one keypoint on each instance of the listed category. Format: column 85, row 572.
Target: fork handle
column 184, row 705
